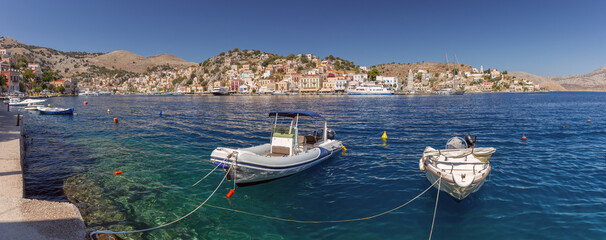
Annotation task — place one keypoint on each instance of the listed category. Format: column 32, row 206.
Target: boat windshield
column 283, row 131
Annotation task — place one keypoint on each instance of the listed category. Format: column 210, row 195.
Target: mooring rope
column 205, row 176
column 167, row 224
column 436, row 207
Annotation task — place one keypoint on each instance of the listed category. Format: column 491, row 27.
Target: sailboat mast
column 454, row 73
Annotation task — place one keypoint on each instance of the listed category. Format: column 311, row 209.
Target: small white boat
column 279, row 92
column 17, row 102
column 33, row 106
column 462, row 167
column 290, row 151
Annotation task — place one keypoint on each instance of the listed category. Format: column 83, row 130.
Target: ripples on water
column 551, row 186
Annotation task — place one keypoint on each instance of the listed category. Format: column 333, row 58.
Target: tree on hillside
column 28, row 75
column 21, row 62
column 372, row 74
column 3, row 81
column 61, row 89
column 304, row 59
column 290, row 57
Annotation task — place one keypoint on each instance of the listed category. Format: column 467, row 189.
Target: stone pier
column 22, row 218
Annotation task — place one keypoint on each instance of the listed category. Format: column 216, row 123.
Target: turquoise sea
column 551, row 186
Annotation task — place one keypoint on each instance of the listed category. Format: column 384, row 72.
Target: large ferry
column 370, row 89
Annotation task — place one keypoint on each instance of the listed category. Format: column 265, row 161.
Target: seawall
column 22, row 218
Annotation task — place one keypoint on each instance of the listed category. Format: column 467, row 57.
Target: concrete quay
column 22, row 218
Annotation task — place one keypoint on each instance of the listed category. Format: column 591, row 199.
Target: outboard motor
column 471, row 141
column 330, row 134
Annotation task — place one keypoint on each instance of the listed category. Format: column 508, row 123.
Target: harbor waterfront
column 549, row 186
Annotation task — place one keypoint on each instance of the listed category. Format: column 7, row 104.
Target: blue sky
column 540, row 37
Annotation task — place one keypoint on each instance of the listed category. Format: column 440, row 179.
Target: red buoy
column 118, row 172
column 115, row 120
column 231, row 192
column 85, row 102
column 524, row 138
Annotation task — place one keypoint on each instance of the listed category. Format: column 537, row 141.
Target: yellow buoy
column 108, row 110
column 344, row 149
column 384, row 137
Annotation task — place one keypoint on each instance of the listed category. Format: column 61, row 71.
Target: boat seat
column 301, row 141
column 310, row 139
column 277, row 151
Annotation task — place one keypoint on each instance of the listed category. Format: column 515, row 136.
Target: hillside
column 70, row 64
column 594, row 81
column 543, row 81
column 127, row 61
column 401, row 70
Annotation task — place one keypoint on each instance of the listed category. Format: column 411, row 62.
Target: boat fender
column 421, row 164
column 231, row 192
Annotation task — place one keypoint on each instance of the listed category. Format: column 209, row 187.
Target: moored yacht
column 291, row 150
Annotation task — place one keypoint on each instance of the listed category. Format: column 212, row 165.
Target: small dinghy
column 55, row 110
column 462, row 166
column 290, row 151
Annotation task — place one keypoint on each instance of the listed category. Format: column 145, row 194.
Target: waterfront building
column 12, row 76
column 310, row 83
column 391, row 82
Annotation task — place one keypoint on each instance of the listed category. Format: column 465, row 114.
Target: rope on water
column 436, row 207
column 205, row 176
column 167, row 224
column 326, row 221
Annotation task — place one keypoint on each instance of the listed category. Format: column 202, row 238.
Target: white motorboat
column 290, row 151
column 462, row 167
column 17, row 102
column 89, row 93
column 279, row 92
column 33, row 106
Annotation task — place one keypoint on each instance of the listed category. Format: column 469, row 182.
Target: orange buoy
column 231, row 192
column 115, row 120
column 523, row 138
column 118, row 172
column 85, row 102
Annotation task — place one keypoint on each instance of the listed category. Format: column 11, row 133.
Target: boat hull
column 362, row 93
column 449, row 186
column 250, row 168
column 462, row 171
column 69, row 111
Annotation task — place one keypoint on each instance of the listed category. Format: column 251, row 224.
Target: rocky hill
column 594, row 81
column 401, row 70
column 542, row 81
column 127, row 61
column 69, row 64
